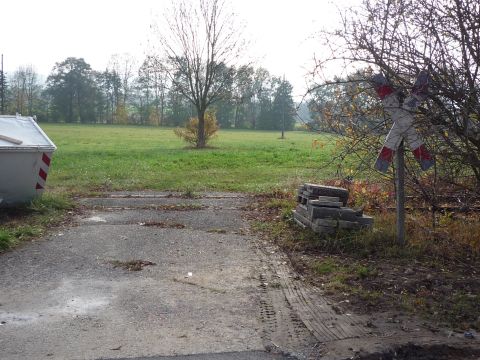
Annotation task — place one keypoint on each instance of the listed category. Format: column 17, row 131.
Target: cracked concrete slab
column 151, row 202
column 205, row 219
column 62, row 297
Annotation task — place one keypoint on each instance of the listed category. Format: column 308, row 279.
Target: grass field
column 95, row 158
column 91, row 159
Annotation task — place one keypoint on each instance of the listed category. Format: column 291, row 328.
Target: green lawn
column 93, row 158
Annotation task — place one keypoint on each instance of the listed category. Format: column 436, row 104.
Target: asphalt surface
column 66, row 296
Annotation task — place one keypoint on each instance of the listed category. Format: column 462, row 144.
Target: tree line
column 127, row 93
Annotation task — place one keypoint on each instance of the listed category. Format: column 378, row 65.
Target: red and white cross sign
column 402, row 116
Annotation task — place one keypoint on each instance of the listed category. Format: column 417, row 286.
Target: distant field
column 93, row 158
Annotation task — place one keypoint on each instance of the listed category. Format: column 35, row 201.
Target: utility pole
column 283, row 110
column 2, row 89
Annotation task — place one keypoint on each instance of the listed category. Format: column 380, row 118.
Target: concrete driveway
column 156, row 276
column 198, row 288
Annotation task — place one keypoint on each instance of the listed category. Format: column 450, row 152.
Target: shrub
column 189, row 133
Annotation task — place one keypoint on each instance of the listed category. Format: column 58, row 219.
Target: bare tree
column 242, row 92
column 399, row 38
column 19, row 90
column 123, row 66
column 25, row 89
column 158, row 82
column 32, row 87
column 200, row 42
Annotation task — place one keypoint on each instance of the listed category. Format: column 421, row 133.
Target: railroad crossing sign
column 402, row 116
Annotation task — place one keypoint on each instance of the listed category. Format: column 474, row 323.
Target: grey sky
column 48, row 31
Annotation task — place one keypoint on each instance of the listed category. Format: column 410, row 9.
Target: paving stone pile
column 324, row 210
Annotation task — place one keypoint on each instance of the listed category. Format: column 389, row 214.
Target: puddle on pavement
column 71, row 306
column 70, row 298
column 17, row 318
column 79, row 297
column 84, row 306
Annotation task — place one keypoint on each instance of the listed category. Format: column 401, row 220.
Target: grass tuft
column 50, row 202
column 324, row 267
column 7, row 240
column 29, row 221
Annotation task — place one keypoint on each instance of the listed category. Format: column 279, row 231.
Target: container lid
column 22, row 133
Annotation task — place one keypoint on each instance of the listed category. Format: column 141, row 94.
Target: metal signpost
column 402, row 115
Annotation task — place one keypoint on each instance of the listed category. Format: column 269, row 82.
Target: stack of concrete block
column 324, row 210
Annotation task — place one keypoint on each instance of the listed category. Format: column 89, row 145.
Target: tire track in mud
column 297, row 318
column 317, row 314
column 283, row 330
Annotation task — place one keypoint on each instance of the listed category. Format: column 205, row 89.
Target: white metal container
column 25, row 155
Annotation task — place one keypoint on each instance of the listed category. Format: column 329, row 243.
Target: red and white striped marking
column 402, row 116
column 43, row 172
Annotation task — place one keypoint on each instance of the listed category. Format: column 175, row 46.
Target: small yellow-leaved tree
column 189, row 133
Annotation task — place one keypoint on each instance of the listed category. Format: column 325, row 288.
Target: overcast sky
column 43, row 32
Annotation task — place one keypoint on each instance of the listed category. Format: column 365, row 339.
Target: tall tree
column 24, row 90
column 123, row 69
column 283, row 108
column 153, row 76
column 179, row 109
column 72, row 88
column 123, row 65
column 3, row 87
column 266, row 119
column 18, row 91
column 261, row 83
column 143, row 87
column 242, row 95
column 225, row 112
column 102, row 114
column 110, row 86
column 200, row 43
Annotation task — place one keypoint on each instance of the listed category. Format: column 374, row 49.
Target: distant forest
column 142, row 94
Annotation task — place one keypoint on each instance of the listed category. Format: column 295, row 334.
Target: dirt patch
column 217, row 231
column 447, row 296
column 131, row 265
column 415, row 352
column 180, row 207
column 175, row 207
column 443, row 292
column 192, row 283
column 162, row 224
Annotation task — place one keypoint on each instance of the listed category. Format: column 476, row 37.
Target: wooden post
column 2, row 88
column 400, row 185
column 283, row 112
